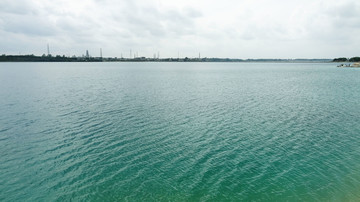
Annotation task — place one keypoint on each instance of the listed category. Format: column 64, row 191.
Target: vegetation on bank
column 343, row 59
column 58, row 58
column 45, row 58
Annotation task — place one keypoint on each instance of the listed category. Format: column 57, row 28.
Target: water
column 179, row 132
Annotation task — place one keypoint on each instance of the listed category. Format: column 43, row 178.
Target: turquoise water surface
column 179, row 132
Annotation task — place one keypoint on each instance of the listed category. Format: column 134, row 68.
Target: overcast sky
column 227, row 28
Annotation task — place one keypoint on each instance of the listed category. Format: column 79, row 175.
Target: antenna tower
column 48, row 50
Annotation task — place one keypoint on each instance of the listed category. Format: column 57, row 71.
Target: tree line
column 343, row 59
column 45, row 58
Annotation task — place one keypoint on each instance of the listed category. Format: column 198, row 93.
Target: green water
column 179, row 132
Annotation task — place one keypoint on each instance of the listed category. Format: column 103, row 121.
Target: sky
column 285, row 29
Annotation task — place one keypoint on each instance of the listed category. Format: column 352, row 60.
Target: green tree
column 340, row 60
column 354, row 59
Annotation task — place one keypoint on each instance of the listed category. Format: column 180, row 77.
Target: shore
column 58, row 58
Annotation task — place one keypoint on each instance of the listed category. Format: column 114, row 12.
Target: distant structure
column 199, row 55
column 158, row 55
column 48, row 50
column 87, row 54
column 100, row 52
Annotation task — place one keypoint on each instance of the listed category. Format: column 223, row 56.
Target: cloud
column 243, row 29
column 19, row 7
column 29, row 26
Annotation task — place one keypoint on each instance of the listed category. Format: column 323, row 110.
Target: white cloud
column 241, row 29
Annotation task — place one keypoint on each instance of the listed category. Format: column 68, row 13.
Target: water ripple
column 223, row 133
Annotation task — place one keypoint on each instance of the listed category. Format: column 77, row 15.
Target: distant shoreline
column 58, row 58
